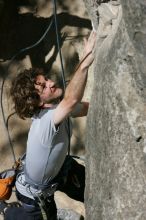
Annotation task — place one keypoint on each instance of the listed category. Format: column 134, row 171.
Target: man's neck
column 51, row 104
column 48, row 105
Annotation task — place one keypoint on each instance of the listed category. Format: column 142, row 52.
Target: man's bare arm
column 75, row 89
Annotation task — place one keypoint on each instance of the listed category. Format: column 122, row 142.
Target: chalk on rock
column 68, row 214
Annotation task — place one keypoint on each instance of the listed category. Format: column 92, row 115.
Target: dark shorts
column 20, row 214
column 72, row 183
column 31, row 211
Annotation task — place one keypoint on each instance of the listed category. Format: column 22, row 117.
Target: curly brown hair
column 23, row 92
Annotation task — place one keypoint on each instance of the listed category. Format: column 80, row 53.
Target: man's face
column 47, row 89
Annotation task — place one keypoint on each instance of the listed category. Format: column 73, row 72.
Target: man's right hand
column 75, row 89
column 89, row 49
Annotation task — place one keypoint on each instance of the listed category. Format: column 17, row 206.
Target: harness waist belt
column 29, row 191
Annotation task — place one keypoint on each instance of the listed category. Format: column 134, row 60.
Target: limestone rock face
column 68, row 214
column 116, row 137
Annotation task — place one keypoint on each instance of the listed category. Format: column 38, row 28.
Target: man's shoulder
column 44, row 112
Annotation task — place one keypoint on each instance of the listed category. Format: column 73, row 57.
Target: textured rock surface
column 116, row 159
column 68, row 214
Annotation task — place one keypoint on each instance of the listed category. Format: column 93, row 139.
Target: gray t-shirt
column 46, row 151
column 46, row 148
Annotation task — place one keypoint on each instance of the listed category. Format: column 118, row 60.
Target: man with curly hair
column 47, row 166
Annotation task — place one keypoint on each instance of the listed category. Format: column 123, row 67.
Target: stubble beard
column 55, row 100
